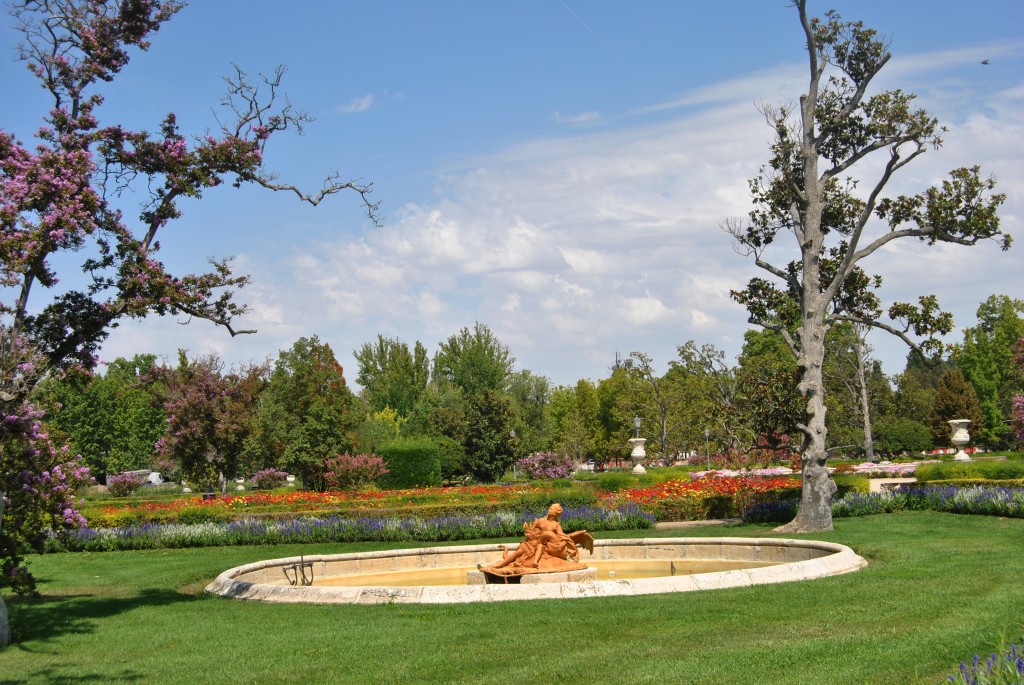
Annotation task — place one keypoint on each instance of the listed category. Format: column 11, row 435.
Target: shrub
column 892, row 436
column 960, row 470
column 547, row 465
column 268, row 479
column 123, row 484
column 194, row 515
column 613, row 481
column 412, row 462
column 348, row 472
column 452, row 455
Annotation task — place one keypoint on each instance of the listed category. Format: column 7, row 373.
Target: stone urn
column 959, row 438
column 638, row 455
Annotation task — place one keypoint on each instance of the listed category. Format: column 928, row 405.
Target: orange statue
column 546, row 549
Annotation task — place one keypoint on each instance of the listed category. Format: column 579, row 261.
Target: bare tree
column 806, row 190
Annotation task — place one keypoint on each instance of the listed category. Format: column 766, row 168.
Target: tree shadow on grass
column 53, row 677
column 40, row 619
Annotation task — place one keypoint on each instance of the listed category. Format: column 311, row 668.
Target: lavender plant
column 340, row 529
column 547, row 465
column 123, row 484
column 267, row 479
column 1005, row 667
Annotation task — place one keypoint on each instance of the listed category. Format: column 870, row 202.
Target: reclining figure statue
column 546, row 549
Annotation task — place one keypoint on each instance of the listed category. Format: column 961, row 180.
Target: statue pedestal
column 577, row 576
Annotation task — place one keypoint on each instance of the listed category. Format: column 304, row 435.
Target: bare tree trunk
column 816, row 495
column 5, row 624
column 869, row 444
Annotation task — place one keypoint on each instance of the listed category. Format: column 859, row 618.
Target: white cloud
column 356, row 105
column 577, row 120
column 572, row 248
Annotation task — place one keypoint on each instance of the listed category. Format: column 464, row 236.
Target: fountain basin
column 774, row 561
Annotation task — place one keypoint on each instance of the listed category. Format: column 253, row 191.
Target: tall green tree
column 392, row 375
column 767, row 402
column 530, row 395
column 658, row 401
column 916, row 385
column 807, row 191
column 712, row 387
column 986, row 359
column 113, row 420
column 955, row 399
column 490, row 444
column 307, row 414
column 575, row 420
column 474, row 361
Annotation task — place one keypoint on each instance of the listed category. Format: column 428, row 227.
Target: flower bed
column 340, row 529
column 984, row 501
column 885, row 469
column 299, row 502
column 715, row 497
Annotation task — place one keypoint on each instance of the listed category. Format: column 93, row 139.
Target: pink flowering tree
column 38, row 480
column 1017, row 412
column 210, row 416
column 59, row 199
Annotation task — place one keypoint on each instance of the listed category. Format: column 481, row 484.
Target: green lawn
column 939, row 588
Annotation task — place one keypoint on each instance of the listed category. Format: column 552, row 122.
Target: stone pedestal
column 579, row 576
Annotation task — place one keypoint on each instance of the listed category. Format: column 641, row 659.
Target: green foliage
column 379, row 428
column 986, row 359
column 190, row 516
column 767, row 402
column 307, row 412
column 896, row 435
column 441, row 411
column 849, row 482
column 113, row 420
column 474, row 361
column 574, row 417
column 530, row 395
column 613, row 481
column 974, row 469
column 411, row 462
column 452, row 457
column 490, row 447
column 391, row 376
column 954, row 399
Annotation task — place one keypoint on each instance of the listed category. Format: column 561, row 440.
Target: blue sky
column 556, row 170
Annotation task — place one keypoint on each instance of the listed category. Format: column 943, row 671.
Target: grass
column 939, row 588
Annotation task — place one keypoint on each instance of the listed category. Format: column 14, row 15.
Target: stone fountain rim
column 839, row 559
